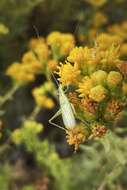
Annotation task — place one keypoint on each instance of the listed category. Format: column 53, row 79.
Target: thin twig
column 34, row 113
column 8, row 95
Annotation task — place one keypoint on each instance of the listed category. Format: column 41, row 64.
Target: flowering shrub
column 89, row 68
column 94, row 76
column 98, row 82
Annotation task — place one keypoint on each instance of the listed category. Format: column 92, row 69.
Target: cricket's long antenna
column 76, row 28
column 55, row 79
column 36, row 31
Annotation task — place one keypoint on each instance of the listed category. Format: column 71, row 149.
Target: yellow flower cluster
column 34, row 42
column 41, row 99
column 61, row 43
column 94, row 86
column 26, row 70
column 97, row 93
column 42, row 52
column 85, row 86
column 119, row 29
column 97, row 3
column 97, row 79
column 105, row 40
column 68, row 74
column 20, row 73
column 40, row 49
column 30, row 126
column 96, row 76
column 99, row 19
column 106, row 52
column 41, row 58
column 77, row 55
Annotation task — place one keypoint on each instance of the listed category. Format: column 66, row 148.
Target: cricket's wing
column 66, row 111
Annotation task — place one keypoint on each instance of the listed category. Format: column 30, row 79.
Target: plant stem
column 8, row 95
column 34, row 113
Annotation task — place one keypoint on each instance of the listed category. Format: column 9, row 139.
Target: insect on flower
column 75, row 134
column 66, row 111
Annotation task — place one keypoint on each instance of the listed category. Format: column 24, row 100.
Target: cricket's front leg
column 55, row 116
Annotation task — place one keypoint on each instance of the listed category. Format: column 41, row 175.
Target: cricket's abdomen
column 66, row 110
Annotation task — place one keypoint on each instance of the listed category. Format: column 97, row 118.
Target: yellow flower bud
column 98, row 93
column 99, row 77
column 54, row 38
column 114, row 78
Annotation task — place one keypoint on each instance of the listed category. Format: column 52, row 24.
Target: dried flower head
column 76, row 136
column 99, row 77
column 98, row 130
column 114, row 78
column 89, row 105
column 113, row 108
column 98, row 93
column 73, row 98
